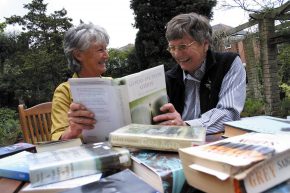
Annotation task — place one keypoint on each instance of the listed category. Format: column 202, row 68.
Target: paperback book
column 163, row 170
column 158, row 137
column 253, row 162
column 258, row 178
column 135, row 98
column 63, row 164
column 233, row 155
column 122, row 182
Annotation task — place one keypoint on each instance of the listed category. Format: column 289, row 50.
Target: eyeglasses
column 181, row 47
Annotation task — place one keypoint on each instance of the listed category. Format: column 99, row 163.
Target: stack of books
column 79, row 165
column 252, row 162
column 155, row 157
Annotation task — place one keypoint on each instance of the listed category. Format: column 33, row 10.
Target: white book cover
column 243, row 150
column 135, row 98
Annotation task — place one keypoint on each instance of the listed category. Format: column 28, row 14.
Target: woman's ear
column 77, row 55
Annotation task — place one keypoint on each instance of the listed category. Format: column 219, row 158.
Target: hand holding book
column 169, row 116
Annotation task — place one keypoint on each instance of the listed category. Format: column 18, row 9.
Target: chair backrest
column 35, row 122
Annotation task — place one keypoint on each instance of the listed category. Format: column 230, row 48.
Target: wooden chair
column 36, row 122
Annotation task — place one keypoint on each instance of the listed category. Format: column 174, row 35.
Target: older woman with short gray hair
column 85, row 47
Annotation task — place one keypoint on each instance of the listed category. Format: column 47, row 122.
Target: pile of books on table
column 154, row 161
column 251, row 162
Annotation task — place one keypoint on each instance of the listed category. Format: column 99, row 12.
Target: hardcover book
column 258, row 178
column 63, row 164
column 16, row 148
column 15, row 166
column 162, row 170
column 122, row 182
column 117, row 102
column 158, row 137
column 260, row 124
column 233, row 155
column 63, row 185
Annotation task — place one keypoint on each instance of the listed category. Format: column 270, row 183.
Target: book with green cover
column 163, row 170
column 63, row 164
column 158, row 137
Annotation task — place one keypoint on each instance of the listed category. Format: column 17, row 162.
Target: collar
column 197, row 75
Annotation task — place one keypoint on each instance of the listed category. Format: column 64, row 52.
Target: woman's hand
column 170, row 116
column 79, row 118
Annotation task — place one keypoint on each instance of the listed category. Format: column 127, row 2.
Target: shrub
column 9, row 126
column 253, row 107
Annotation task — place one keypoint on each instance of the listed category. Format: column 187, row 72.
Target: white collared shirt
column 231, row 98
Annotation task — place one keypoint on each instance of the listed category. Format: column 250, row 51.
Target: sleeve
column 60, row 107
column 231, row 102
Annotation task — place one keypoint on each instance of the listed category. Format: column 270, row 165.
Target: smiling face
column 188, row 53
column 93, row 60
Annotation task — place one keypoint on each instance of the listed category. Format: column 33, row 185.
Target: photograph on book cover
column 113, row 101
column 166, row 165
column 144, row 109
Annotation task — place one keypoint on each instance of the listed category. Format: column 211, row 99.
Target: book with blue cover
column 163, row 170
column 15, row 166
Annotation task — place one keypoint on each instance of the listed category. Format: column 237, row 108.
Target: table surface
column 11, row 186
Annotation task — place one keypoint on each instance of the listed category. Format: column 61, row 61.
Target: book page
column 146, row 93
column 106, row 100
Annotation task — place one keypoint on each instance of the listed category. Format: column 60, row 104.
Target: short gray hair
column 193, row 24
column 80, row 38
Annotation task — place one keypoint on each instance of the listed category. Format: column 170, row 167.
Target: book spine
column 269, row 173
column 68, row 169
column 148, row 142
column 17, row 175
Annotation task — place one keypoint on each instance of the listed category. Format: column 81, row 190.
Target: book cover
column 122, row 182
column 232, row 155
column 118, row 102
column 260, row 124
column 258, row 178
column 55, row 145
column 16, row 148
column 158, row 137
column 63, row 185
column 162, row 170
column 15, row 166
column 63, row 164
column 284, row 187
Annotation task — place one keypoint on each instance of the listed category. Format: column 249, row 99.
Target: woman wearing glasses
column 205, row 88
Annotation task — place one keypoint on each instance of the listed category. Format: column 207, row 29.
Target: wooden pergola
column 268, row 40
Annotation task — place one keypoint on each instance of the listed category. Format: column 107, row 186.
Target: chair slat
column 36, row 122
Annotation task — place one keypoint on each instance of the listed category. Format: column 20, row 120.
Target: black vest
column 217, row 65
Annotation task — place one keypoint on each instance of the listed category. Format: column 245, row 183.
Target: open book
column 135, row 98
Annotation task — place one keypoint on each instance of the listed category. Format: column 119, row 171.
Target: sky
column 114, row 15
